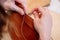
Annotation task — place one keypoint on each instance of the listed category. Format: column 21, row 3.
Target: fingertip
column 21, row 12
column 18, row 9
column 35, row 14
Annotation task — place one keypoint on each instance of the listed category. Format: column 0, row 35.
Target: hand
column 43, row 25
column 10, row 5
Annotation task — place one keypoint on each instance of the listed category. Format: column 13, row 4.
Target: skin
column 42, row 25
column 10, row 5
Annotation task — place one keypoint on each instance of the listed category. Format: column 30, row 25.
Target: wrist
column 45, row 36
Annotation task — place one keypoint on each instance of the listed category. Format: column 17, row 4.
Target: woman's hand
column 43, row 25
column 10, row 5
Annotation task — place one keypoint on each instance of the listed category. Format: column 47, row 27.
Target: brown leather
column 22, row 27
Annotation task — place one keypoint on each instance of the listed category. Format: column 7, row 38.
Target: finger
column 24, row 4
column 42, row 10
column 16, row 8
column 34, row 9
column 21, row 1
column 36, row 15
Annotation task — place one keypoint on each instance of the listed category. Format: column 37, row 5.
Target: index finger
column 24, row 4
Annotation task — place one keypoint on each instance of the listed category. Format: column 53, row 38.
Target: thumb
column 18, row 9
column 23, row 3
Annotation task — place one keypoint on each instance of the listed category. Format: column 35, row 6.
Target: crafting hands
column 10, row 5
column 43, row 24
